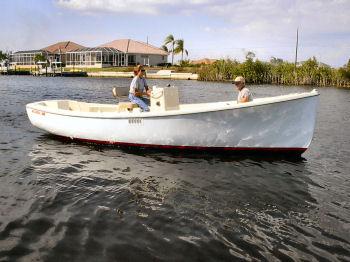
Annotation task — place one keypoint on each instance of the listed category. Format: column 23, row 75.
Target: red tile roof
column 135, row 47
column 63, row 46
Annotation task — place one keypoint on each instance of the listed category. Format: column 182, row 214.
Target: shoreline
column 163, row 75
column 169, row 76
column 159, row 74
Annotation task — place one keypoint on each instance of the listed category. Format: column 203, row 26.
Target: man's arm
column 148, row 90
column 147, row 93
column 245, row 96
column 244, row 99
column 145, row 84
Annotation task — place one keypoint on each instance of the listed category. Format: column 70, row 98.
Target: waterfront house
column 55, row 53
column 122, row 52
column 139, row 52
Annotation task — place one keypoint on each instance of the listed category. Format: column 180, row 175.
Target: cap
column 239, row 79
column 138, row 68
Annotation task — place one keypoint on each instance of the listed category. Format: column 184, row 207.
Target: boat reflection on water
column 156, row 204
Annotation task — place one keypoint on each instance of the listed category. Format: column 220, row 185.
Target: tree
column 165, row 48
column 39, row 58
column 345, row 71
column 170, row 40
column 276, row 60
column 308, row 71
column 250, row 55
column 3, row 56
column 179, row 48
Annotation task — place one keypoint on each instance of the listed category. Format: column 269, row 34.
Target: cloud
column 91, row 6
column 148, row 7
column 274, row 17
column 268, row 27
column 264, row 26
column 207, row 29
column 249, row 16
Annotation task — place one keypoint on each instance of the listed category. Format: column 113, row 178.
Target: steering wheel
column 157, row 94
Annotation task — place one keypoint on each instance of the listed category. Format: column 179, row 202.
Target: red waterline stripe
column 265, row 149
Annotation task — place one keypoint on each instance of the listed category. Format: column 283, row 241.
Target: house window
column 132, row 59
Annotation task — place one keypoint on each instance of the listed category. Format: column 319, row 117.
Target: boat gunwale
column 157, row 114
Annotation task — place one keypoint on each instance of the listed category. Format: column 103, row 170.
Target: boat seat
column 123, row 106
column 83, row 107
column 64, row 104
column 78, row 106
column 73, row 106
column 50, row 104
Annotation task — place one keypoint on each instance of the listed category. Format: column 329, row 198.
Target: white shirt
column 243, row 94
column 137, row 85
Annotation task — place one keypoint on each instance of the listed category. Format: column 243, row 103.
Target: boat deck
column 76, row 108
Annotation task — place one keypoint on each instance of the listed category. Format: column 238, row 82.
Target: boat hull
column 281, row 126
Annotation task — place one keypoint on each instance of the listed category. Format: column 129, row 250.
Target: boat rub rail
column 297, row 150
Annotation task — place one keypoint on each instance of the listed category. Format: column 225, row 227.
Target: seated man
column 139, row 88
column 244, row 94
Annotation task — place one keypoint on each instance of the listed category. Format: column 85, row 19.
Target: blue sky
column 213, row 29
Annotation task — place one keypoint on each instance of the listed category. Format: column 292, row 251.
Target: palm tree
column 250, row 55
column 170, row 40
column 165, row 48
column 3, row 56
column 179, row 48
column 39, row 58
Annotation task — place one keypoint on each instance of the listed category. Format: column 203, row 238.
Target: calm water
column 73, row 202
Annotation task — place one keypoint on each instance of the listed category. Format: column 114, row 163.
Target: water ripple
column 74, row 202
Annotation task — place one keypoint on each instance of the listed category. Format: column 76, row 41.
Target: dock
column 152, row 74
column 5, row 71
column 161, row 74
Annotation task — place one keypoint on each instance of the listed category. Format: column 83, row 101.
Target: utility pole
column 147, row 40
column 296, row 58
column 61, row 60
column 296, row 50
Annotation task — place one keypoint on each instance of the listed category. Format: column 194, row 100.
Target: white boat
column 278, row 124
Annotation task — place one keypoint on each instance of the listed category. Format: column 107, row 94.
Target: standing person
column 139, row 88
column 244, row 94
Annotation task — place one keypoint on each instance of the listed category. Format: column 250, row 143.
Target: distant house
column 139, row 52
column 204, row 61
column 53, row 53
column 123, row 52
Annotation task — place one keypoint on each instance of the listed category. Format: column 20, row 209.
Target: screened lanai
column 96, row 57
column 26, row 58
